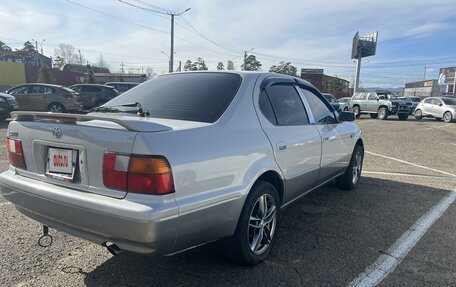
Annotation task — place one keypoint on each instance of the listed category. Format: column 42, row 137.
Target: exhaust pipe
column 112, row 248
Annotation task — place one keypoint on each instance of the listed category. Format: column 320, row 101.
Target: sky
column 309, row 34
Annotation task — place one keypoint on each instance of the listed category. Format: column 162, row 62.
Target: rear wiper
column 105, row 110
column 139, row 110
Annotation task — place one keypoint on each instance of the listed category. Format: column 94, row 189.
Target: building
column 422, row 89
column 32, row 58
column 326, row 84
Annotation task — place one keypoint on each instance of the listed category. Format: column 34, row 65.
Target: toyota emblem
column 57, row 132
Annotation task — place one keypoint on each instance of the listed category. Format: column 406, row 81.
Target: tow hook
column 45, row 240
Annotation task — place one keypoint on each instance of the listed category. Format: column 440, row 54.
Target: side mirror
column 346, row 117
column 378, row 99
column 440, row 104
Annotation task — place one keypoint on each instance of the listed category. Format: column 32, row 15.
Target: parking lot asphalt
column 329, row 237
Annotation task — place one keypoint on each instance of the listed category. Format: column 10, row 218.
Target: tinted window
column 321, row 112
column 448, row 101
column 20, row 90
column 360, row 96
column 428, row 101
column 372, row 97
column 90, row 89
column 266, row 108
column 287, row 105
column 41, row 90
column 201, row 97
column 435, row 101
column 76, row 89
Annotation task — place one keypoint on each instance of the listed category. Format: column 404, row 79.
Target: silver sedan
column 182, row 160
column 438, row 108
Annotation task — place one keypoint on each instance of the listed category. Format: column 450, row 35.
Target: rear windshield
column 201, row 97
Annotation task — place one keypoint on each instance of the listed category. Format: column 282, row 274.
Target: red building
column 326, row 84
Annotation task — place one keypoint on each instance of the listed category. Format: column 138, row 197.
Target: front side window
column 372, row 97
column 287, row 105
column 321, row 112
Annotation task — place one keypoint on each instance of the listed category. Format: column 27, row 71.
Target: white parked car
column 182, row 160
column 438, row 108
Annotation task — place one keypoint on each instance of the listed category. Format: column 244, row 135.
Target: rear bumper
column 138, row 223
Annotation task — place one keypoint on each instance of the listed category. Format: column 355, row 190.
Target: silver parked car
column 198, row 157
column 438, row 108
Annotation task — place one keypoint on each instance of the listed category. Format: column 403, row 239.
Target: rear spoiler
column 129, row 123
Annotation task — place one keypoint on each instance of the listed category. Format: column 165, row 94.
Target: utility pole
column 80, row 59
column 424, row 76
column 172, row 14
column 180, row 67
column 122, row 65
column 358, row 70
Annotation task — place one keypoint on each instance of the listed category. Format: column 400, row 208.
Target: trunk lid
column 83, row 139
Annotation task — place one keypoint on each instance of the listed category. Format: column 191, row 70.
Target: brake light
column 115, row 171
column 138, row 174
column 68, row 96
column 15, row 153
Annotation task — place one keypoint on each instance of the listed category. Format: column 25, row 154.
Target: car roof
column 120, row 83
column 40, row 84
column 93, row 85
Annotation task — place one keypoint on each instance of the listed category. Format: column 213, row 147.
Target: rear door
column 371, row 102
column 426, row 107
column 21, row 95
column 296, row 142
column 40, row 97
column 337, row 141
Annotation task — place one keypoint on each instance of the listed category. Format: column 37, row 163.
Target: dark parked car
column 122, row 86
column 7, row 105
column 45, row 97
column 92, row 95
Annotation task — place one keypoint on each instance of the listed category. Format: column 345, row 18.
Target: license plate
column 60, row 160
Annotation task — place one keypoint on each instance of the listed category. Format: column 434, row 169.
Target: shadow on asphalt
column 326, row 238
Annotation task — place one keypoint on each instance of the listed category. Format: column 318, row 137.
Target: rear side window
column 201, row 97
column 90, row 89
column 287, row 105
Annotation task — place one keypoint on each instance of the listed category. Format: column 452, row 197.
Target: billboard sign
column 448, row 73
column 312, row 71
column 364, row 46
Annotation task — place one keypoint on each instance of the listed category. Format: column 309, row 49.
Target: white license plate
column 60, row 160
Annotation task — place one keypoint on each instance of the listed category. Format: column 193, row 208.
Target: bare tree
column 68, row 54
column 102, row 62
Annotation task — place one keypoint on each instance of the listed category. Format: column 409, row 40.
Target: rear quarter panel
column 214, row 168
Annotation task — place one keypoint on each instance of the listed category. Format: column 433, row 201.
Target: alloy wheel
column 357, row 166
column 262, row 224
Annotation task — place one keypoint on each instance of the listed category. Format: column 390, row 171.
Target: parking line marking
column 410, row 174
column 411, row 163
column 4, row 203
column 445, row 125
column 387, row 262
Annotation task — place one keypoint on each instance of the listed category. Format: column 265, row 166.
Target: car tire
column 374, row 116
column 418, row 114
column 241, row 247
column 403, row 117
column 383, row 113
column 350, row 179
column 56, row 108
column 447, row 117
column 356, row 111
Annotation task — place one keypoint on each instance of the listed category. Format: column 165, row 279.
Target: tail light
column 15, row 153
column 138, row 174
column 68, row 96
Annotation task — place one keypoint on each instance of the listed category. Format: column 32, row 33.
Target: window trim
column 273, row 81
column 320, row 96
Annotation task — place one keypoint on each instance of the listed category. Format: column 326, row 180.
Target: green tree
column 200, row 65
column 251, row 64
column 44, row 75
column 284, row 68
column 28, row 47
column 220, row 66
column 189, row 66
column 334, row 85
column 4, row 47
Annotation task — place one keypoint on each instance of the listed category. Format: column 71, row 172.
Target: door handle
column 281, row 146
